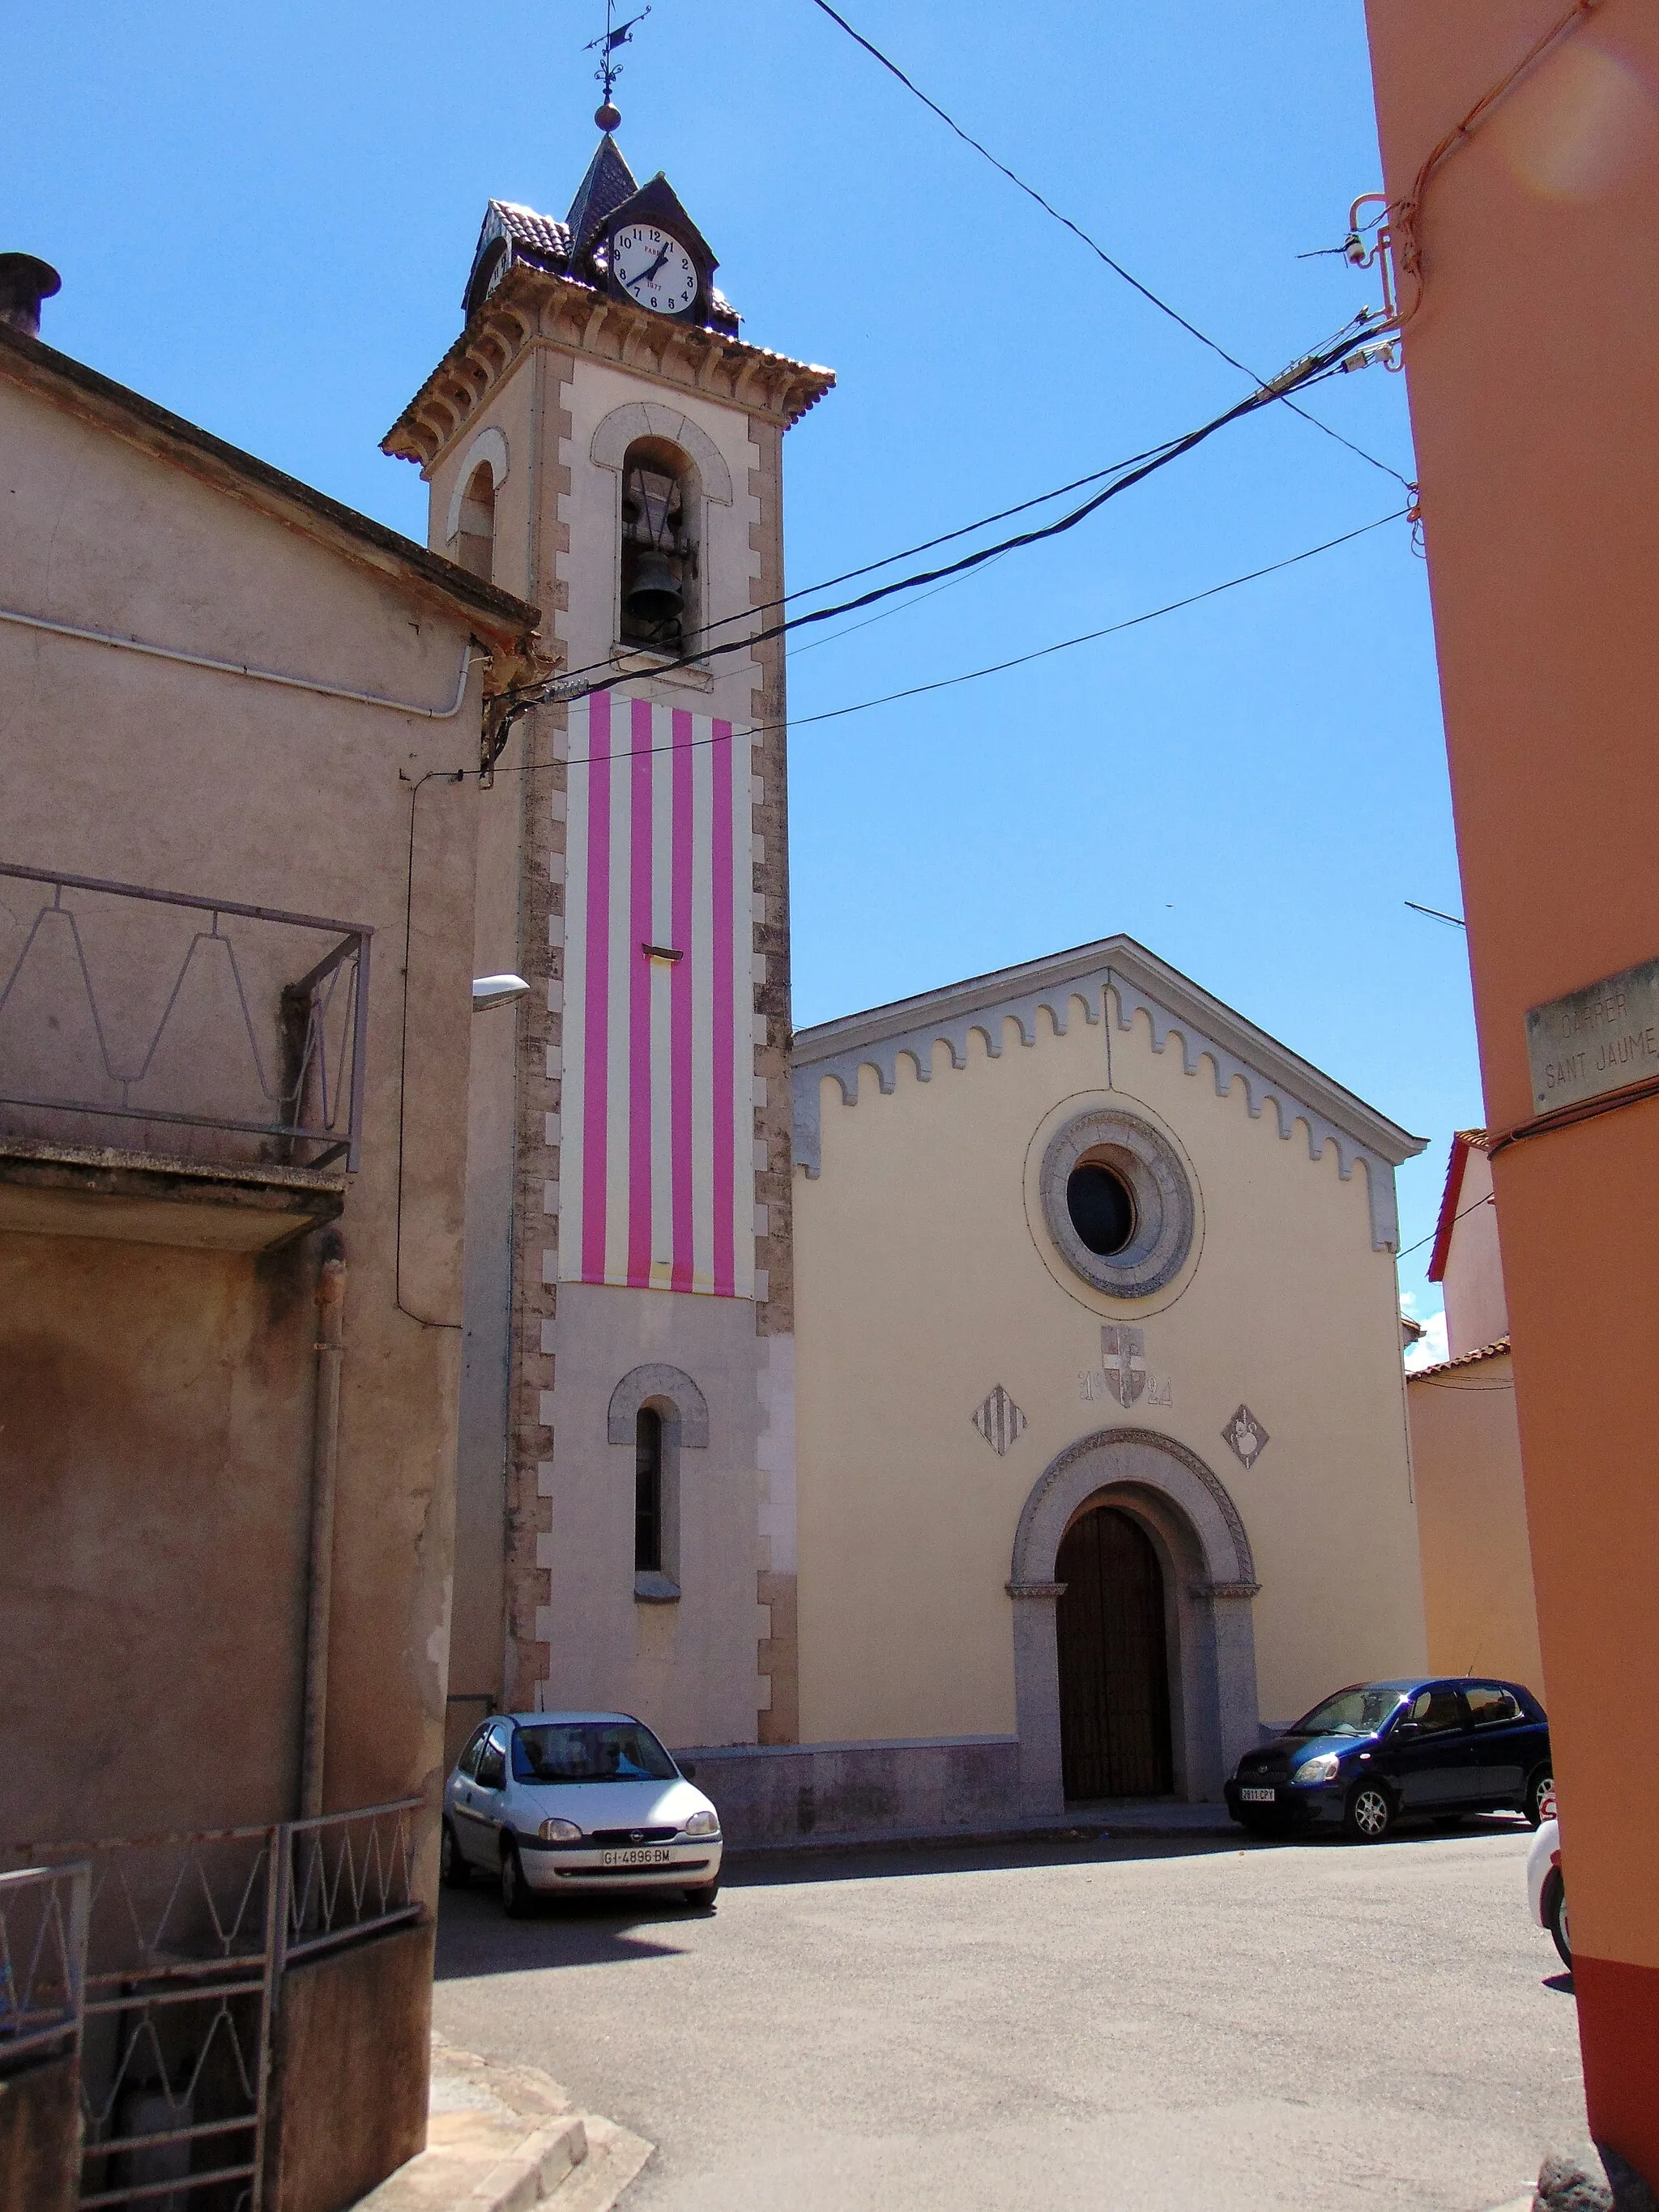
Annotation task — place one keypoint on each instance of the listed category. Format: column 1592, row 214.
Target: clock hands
column 645, row 274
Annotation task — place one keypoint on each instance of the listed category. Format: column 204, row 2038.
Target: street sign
column 1598, row 1039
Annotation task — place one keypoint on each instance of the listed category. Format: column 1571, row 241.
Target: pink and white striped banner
column 656, row 1165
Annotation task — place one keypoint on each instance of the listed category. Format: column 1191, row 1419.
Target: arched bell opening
column 657, row 584
column 475, row 549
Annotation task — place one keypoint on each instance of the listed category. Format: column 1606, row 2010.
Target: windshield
column 1359, row 1711
column 589, row 1751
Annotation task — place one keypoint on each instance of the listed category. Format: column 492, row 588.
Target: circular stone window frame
column 1166, row 1212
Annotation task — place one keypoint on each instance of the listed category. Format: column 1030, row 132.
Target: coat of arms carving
column 1123, row 1357
column 1246, row 1438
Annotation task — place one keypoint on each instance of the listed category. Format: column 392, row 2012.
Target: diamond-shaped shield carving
column 1246, row 1438
column 999, row 1421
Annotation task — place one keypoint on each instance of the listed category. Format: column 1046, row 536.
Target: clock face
column 653, row 268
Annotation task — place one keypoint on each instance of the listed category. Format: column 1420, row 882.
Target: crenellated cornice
column 531, row 306
column 1116, row 970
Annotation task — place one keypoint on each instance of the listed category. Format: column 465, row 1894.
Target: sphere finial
column 607, row 117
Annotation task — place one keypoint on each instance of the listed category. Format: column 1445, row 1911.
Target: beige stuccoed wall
column 922, row 1283
column 1477, row 1312
column 157, row 1401
column 1472, row 1518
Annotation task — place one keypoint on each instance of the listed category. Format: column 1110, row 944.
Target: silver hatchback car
column 549, row 1801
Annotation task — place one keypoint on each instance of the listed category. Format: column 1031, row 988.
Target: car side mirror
column 688, row 1770
column 1402, row 1728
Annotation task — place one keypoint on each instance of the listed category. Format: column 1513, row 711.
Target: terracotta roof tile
column 1464, row 1359
column 541, row 233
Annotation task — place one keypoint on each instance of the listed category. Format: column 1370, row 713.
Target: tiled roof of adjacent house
column 1464, row 1141
column 1494, row 1351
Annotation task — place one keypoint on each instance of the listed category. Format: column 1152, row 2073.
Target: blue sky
column 264, row 219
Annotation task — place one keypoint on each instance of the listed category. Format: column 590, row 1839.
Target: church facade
column 955, row 1409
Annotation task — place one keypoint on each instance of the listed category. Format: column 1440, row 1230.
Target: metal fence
column 43, row 1959
column 161, row 1014
column 187, row 1940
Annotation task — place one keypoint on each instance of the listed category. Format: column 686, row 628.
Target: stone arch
column 646, row 418
column 653, row 1383
column 1210, row 1580
column 488, row 450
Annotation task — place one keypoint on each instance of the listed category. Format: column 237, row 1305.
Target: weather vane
column 608, row 115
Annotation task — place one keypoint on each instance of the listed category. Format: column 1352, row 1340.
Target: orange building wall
column 1532, row 366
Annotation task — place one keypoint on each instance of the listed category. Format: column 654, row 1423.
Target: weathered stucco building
column 236, row 924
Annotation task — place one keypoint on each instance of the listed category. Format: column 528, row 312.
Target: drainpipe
column 324, row 1461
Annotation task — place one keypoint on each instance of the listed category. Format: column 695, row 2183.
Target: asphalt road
column 1118, row 2025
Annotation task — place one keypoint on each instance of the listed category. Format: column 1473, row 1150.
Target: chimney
column 24, row 283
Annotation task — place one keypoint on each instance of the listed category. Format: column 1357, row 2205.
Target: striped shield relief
column 656, row 1157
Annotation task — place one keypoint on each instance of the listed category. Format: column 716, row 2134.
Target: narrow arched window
column 648, row 1492
column 659, row 555
column 475, row 546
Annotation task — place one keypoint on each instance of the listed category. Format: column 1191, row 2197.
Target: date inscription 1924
column 1596, row 1040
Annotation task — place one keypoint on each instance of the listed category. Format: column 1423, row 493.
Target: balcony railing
column 168, row 1024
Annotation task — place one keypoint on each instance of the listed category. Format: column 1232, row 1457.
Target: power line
column 1472, row 1208
column 909, row 553
column 1093, row 245
column 1313, row 369
column 863, row 706
column 1089, row 637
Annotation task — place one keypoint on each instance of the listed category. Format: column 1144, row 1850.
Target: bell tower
column 600, row 440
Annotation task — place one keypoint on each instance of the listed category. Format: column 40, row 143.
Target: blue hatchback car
column 1379, row 1752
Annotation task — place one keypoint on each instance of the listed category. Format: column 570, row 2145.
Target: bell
column 654, row 596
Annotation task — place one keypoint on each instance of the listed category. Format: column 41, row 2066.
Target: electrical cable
column 1474, row 1207
column 1093, row 245
column 1089, row 637
column 869, row 568
column 1312, row 369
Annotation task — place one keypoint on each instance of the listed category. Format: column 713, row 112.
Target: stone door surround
column 1209, row 1572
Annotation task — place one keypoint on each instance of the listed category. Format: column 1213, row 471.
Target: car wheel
column 515, row 1890
column 1555, row 1915
column 1368, row 1815
column 702, row 1893
column 452, row 1870
column 1540, row 1784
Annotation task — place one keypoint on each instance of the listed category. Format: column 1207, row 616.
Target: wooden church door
column 1114, row 1661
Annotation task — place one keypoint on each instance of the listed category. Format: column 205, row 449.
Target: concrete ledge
column 787, row 1793
column 923, row 1789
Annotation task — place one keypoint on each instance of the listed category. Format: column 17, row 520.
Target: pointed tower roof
column 608, row 183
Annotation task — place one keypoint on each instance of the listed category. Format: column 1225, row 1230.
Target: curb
column 507, row 2138
column 542, row 2161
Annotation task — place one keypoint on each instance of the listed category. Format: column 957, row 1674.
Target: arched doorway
column 1114, row 1735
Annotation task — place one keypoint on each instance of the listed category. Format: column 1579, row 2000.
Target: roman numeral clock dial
column 654, row 269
